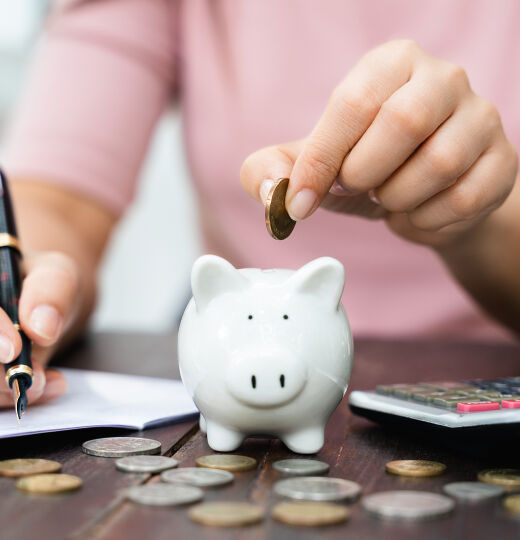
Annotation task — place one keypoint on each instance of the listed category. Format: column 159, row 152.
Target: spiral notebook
column 100, row 399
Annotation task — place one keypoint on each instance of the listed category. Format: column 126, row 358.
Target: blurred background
column 163, row 213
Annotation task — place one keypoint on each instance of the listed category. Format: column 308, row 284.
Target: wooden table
column 355, row 449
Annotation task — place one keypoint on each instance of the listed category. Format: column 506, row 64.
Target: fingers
column 473, row 195
column 48, row 294
column 404, row 121
column 261, row 169
column 442, row 159
column 350, row 111
column 10, row 341
column 55, row 386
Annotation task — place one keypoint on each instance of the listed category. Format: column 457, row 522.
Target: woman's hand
column 403, row 137
column 47, row 305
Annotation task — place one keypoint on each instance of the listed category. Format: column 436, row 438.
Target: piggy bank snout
column 266, row 380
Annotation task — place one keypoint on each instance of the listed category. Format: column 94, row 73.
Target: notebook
column 100, row 399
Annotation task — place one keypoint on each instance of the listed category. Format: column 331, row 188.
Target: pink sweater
column 250, row 74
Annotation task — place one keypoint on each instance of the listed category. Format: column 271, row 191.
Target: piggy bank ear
column 323, row 278
column 212, row 276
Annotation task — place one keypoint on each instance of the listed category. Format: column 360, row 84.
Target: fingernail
column 302, row 204
column 340, row 191
column 373, row 197
column 265, row 188
column 45, row 321
column 6, row 350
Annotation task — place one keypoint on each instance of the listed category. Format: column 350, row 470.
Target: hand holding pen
column 26, row 317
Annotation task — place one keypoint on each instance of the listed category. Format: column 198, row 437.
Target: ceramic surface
column 265, row 352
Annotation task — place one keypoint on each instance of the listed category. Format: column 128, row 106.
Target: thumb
column 262, row 168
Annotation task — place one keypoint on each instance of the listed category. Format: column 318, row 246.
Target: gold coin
column 310, row 514
column 226, row 514
column 49, row 483
column 512, row 504
column 506, row 478
column 415, row 467
column 26, row 467
column 227, row 462
column 279, row 223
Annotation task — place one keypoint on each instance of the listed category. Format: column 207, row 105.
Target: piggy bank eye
column 286, row 316
column 250, row 317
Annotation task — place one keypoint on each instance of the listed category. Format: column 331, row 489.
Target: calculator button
column 477, row 406
column 511, row 403
column 451, row 402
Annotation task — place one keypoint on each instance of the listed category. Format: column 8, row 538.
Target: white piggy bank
column 265, row 352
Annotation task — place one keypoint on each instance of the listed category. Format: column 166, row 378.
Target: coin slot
column 282, row 380
column 286, row 316
column 253, row 381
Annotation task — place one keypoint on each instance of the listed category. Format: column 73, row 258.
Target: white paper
column 99, row 399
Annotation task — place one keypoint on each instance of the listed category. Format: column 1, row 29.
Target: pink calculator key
column 511, row 403
column 478, row 406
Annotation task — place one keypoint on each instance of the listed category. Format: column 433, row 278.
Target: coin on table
column 279, row 223
column 301, row 467
column 121, row 446
column 472, row 491
column 26, row 467
column 415, row 467
column 318, row 488
column 164, row 494
column 145, row 464
column 506, row 478
column 407, row 505
column 198, row 476
column 227, row 462
column 512, row 504
column 49, row 483
column 226, row 514
column 309, row 513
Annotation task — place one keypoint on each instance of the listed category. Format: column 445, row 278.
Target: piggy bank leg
column 305, row 441
column 202, row 424
column 223, row 439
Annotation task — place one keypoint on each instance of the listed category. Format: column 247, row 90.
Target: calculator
column 465, row 406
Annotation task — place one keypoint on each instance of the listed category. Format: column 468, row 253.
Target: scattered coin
column 198, row 476
column 49, row 483
column 512, row 504
column 310, row 514
column 121, row 446
column 279, row 223
column 226, row 514
column 227, row 462
column 164, row 494
column 472, row 491
column 407, row 505
column 506, row 478
column 145, row 464
column 301, row 467
column 415, row 467
column 318, row 488
column 26, row 467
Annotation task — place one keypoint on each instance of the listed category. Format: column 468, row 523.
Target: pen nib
column 20, row 399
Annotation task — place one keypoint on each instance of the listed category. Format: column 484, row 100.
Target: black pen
column 18, row 373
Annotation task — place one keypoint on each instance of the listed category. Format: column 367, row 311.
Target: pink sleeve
column 101, row 78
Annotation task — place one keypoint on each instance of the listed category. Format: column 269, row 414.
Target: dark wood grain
column 355, row 449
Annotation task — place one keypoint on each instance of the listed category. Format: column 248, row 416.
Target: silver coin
column 197, row 476
column 164, row 494
column 318, row 488
column 407, row 505
column 145, row 464
column 121, row 446
column 301, row 467
column 472, row 491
